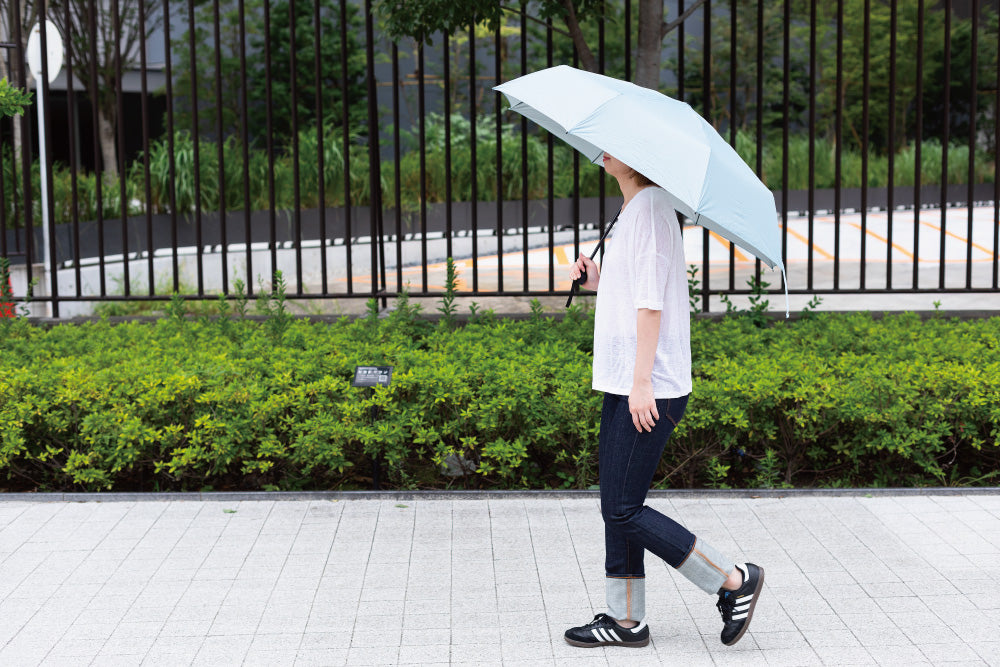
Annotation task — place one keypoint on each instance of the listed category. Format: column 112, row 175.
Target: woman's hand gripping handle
column 585, row 273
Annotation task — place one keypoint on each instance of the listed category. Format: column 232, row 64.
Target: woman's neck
column 630, row 188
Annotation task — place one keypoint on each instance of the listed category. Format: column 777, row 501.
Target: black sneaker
column 737, row 606
column 604, row 631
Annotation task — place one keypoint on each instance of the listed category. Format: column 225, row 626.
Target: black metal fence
column 356, row 165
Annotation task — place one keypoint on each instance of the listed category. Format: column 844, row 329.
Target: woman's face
column 616, row 167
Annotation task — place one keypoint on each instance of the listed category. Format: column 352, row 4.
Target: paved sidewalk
column 892, row 579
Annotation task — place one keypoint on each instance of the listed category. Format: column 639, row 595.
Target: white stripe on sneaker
column 597, row 634
column 614, row 634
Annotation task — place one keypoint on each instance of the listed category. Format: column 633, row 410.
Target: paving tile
column 425, row 655
column 185, row 582
column 949, row 652
column 898, row 655
column 321, row 657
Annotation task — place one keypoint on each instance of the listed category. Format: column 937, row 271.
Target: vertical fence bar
column 732, row 118
column 838, row 150
column 346, row 139
column 601, row 195
column 20, row 72
column 220, row 148
column 497, row 66
column 680, row 52
column 973, row 109
column 785, row 105
column 293, row 47
column 759, row 167
column 473, row 166
column 21, row 81
column 891, row 152
column 318, row 83
column 3, row 185
column 811, row 213
column 524, row 155
column 421, row 119
column 196, row 141
column 147, row 186
column 864, row 140
column 374, row 161
column 45, row 165
column 120, row 112
column 171, row 160
column 550, row 175
column 269, row 129
column 706, row 110
column 945, row 141
column 3, row 204
column 396, row 154
column 448, row 221
column 296, row 167
column 576, row 184
column 628, row 41
column 996, row 170
column 918, row 145
column 245, row 140
column 74, row 162
column 98, row 156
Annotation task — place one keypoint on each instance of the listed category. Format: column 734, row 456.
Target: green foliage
column 202, row 68
column 12, row 100
column 891, row 119
column 437, row 179
column 851, row 174
column 448, row 307
column 694, row 298
column 833, row 400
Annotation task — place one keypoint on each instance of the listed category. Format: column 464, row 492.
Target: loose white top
column 643, row 268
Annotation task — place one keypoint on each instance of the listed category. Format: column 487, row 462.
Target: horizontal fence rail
column 200, row 149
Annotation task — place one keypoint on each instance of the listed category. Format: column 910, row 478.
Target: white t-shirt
column 643, row 268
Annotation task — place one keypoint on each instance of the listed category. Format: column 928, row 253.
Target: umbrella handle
column 583, row 273
column 581, row 280
column 575, row 288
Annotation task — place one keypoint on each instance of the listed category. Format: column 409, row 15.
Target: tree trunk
column 587, row 58
column 106, row 130
column 647, row 70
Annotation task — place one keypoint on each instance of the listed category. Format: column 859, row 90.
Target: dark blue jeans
column 628, row 461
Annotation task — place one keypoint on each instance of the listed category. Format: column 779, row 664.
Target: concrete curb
column 264, row 496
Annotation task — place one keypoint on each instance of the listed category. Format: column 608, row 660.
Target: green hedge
column 232, row 403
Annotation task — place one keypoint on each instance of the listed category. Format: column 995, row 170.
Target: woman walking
column 642, row 363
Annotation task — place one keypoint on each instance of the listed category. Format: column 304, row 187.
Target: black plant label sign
column 372, row 376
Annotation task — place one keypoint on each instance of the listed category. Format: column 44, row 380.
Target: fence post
column 374, row 160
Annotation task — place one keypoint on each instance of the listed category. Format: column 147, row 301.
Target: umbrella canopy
column 663, row 139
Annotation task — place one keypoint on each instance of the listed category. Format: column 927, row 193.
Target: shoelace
column 598, row 620
column 725, row 605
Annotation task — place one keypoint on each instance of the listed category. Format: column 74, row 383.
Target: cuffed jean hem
column 706, row 567
column 626, row 598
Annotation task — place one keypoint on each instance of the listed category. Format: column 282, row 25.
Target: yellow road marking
column 806, row 241
column 561, row 256
column 739, row 255
column 883, row 240
column 956, row 236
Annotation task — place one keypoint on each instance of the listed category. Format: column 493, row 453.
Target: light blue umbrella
column 663, row 139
